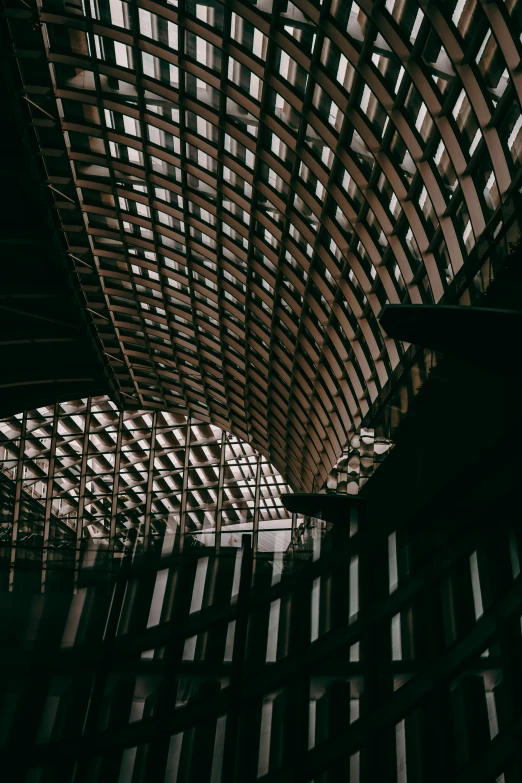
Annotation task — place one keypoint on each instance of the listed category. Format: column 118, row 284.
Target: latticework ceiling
column 84, row 474
column 243, row 185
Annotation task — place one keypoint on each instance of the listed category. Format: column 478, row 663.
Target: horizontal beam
column 336, row 508
column 484, row 336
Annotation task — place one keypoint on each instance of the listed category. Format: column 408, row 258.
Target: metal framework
column 248, row 183
column 84, row 477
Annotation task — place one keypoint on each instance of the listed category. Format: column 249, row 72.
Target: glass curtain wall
column 84, row 483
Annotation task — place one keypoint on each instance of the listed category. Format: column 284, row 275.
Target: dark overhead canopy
column 47, row 352
column 329, row 507
column 487, row 337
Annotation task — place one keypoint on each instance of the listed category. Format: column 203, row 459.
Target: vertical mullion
column 148, row 500
column 231, row 748
column 116, row 485
column 186, row 464
column 81, row 495
column 257, row 497
column 219, row 509
column 48, row 495
column 18, row 497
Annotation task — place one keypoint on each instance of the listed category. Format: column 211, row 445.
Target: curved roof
column 257, row 179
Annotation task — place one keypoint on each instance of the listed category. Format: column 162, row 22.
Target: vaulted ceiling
column 243, row 185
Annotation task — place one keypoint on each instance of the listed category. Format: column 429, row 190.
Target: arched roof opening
column 84, row 476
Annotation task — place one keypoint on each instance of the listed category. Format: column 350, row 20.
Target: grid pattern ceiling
column 83, row 474
column 253, row 181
